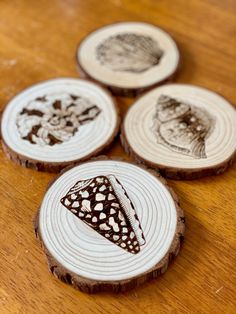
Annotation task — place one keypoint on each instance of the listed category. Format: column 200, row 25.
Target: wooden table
column 37, row 42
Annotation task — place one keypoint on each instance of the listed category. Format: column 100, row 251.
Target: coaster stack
column 106, row 224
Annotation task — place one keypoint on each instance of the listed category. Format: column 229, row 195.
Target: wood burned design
column 129, row 52
column 182, row 127
column 54, row 119
column 103, row 204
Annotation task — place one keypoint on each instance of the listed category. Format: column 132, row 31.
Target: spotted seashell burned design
column 129, row 52
column 55, row 118
column 103, row 204
column 182, row 127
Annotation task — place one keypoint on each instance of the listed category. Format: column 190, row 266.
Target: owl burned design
column 103, row 204
column 55, row 118
column 129, row 52
column 182, row 127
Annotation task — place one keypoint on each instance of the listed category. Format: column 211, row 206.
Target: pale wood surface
column 38, row 41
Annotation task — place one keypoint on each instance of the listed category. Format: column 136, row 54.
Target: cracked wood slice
column 128, row 57
column 58, row 122
column 184, row 131
column 109, row 225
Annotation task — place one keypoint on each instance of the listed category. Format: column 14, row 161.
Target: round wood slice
column 128, row 57
column 58, row 122
column 184, row 131
column 109, row 225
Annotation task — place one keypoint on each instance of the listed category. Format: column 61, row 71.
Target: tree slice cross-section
column 57, row 122
column 109, row 225
column 128, row 57
column 184, row 131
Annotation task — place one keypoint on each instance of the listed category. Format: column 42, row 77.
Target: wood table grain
column 37, row 42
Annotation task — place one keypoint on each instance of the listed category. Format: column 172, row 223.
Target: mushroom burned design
column 54, row 118
column 129, row 52
column 182, row 127
column 103, row 204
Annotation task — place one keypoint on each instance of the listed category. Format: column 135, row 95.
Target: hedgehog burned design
column 129, row 52
column 54, row 119
column 103, row 204
column 182, row 127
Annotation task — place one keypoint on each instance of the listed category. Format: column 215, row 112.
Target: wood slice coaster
column 184, row 131
column 57, row 122
column 109, row 225
column 128, row 57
